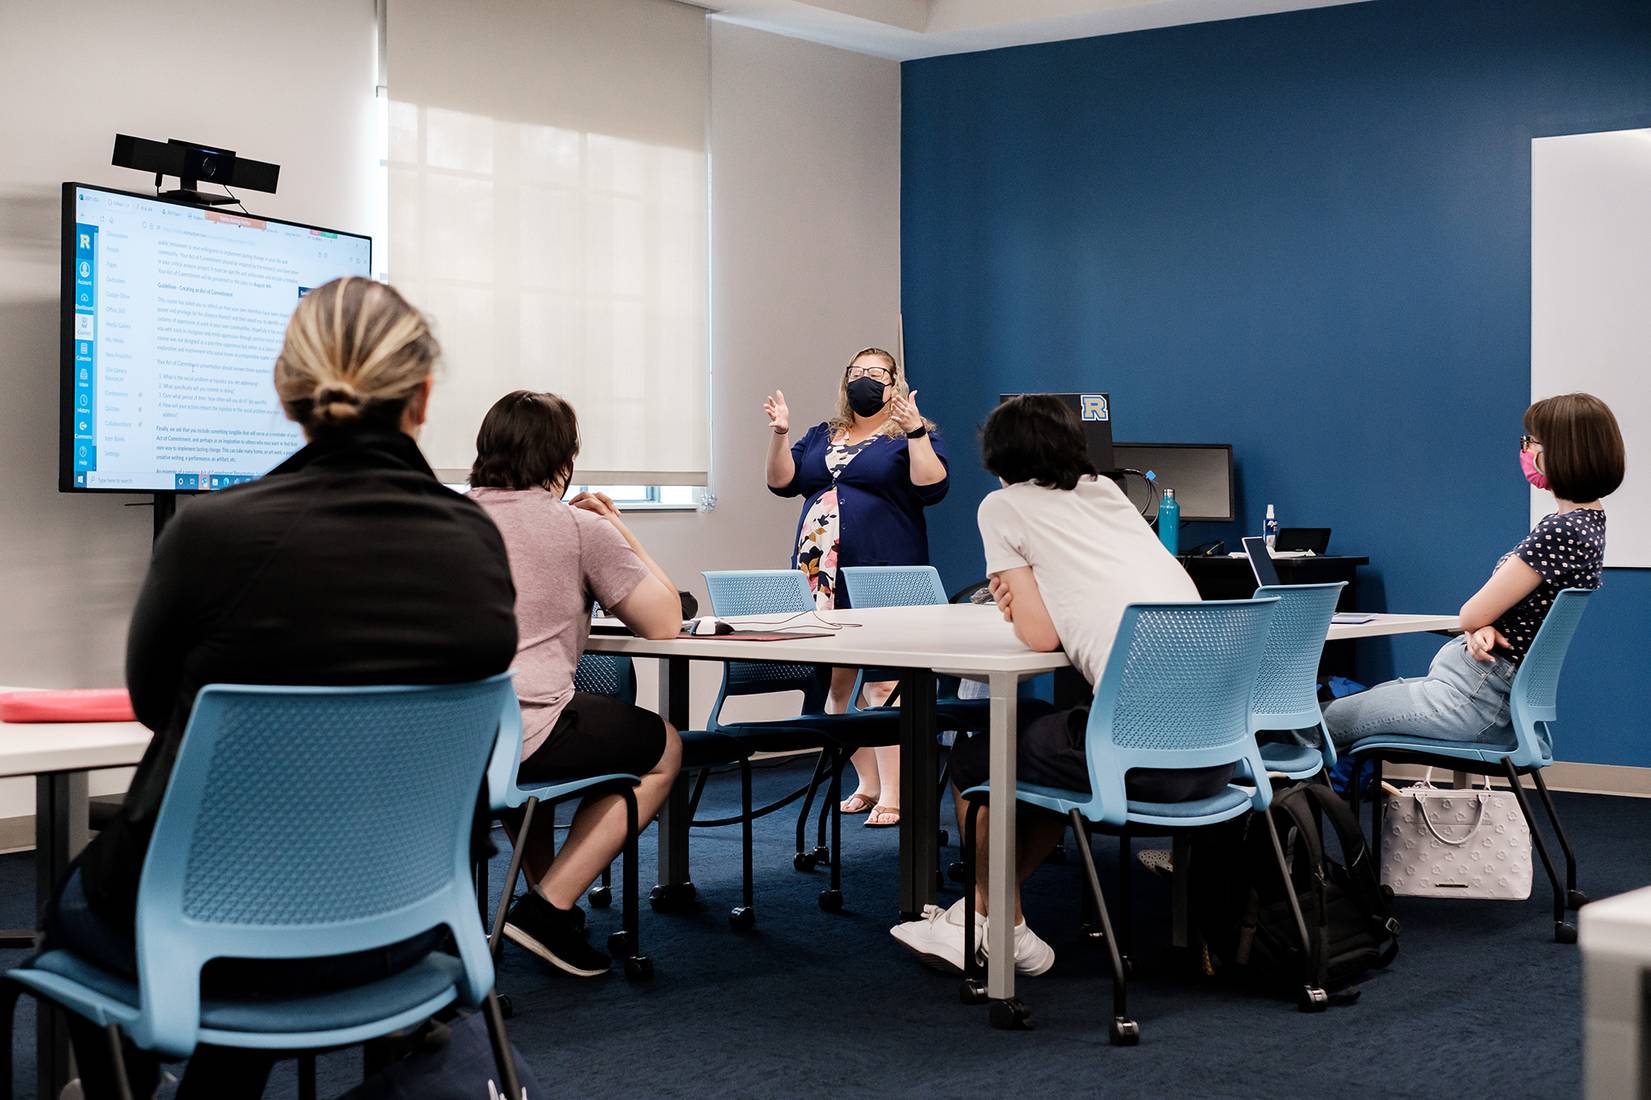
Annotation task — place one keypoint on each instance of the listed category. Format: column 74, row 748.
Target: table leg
column 919, row 799
column 675, row 888
column 56, row 799
column 1000, row 847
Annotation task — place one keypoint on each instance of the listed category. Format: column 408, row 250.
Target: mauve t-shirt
column 561, row 559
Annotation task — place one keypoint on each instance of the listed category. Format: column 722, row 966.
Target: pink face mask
column 1527, row 462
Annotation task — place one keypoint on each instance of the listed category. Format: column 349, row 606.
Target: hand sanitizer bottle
column 1169, row 522
column 1271, row 529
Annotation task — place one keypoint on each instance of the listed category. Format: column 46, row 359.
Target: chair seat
column 1478, row 752
column 555, row 792
column 858, row 729
column 1220, row 806
column 710, row 748
column 965, row 714
column 1296, row 761
column 94, row 992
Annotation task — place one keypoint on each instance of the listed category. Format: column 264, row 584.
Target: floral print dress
column 821, row 535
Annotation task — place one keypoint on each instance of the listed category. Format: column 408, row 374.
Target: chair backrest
column 606, row 674
column 1286, row 688
column 893, row 585
column 1177, row 693
column 739, row 592
column 308, row 822
column 1533, row 701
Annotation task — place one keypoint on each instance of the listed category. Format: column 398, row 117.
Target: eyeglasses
column 1529, row 443
column 881, row 374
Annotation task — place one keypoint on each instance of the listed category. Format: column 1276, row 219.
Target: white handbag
column 1455, row 843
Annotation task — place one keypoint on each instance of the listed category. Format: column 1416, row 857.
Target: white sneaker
column 937, row 937
column 1032, row 955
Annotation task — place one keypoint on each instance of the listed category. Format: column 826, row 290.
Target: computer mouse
column 707, row 626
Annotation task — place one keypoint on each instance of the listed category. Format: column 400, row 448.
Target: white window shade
column 547, row 179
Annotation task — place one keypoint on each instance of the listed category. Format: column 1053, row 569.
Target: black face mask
column 865, row 396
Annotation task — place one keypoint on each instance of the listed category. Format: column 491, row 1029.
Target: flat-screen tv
column 172, row 318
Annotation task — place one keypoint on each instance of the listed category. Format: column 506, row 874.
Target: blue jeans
column 1460, row 699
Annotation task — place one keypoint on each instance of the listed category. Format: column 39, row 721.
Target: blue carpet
column 812, row 1003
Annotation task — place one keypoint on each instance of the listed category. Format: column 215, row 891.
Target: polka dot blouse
column 1567, row 551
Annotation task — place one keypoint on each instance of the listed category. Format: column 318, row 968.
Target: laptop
column 1266, row 574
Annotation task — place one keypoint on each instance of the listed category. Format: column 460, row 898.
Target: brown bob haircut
column 527, row 441
column 1036, row 437
column 1582, row 451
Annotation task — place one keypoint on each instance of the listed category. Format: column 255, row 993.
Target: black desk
column 1229, row 578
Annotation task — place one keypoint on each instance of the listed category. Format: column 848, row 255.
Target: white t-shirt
column 1091, row 553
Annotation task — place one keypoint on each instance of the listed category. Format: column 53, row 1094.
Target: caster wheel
column 1576, row 899
column 743, row 918
column 674, row 898
column 1124, row 1032
column 972, row 992
column 831, row 901
column 600, row 897
column 506, row 1009
column 1011, row 1015
column 804, row 861
column 957, row 872
column 822, row 856
column 619, row 944
column 1564, row 932
column 639, row 968
column 1313, row 999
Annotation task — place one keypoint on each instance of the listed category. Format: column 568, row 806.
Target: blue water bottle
column 1169, row 522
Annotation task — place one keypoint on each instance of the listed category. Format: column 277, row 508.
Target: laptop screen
column 1261, row 561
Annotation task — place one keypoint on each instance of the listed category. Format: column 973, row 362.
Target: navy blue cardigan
column 880, row 511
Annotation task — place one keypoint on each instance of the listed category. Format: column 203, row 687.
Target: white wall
column 805, row 147
column 289, row 81
column 805, row 271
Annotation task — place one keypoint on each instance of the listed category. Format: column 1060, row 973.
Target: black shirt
column 347, row 564
column 1567, row 550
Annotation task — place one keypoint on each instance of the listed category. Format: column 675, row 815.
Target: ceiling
column 907, row 29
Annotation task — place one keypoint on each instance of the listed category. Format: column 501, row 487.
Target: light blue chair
column 743, row 593
column 505, row 794
column 1286, row 690
column 1532, row 711
column 300, row 823
column 1176, row 693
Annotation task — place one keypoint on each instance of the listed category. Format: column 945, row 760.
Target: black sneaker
column 555, row 935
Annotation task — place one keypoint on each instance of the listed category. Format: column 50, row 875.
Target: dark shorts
column 1051, row 754
column 596, row 735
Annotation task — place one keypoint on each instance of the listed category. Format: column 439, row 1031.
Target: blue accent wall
column 1307, row 235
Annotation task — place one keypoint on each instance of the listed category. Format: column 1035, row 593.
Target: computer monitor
column 1200, row 473
column 1095, row 412
column 172, row 316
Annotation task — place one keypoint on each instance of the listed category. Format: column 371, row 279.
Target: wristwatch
column 918, row 432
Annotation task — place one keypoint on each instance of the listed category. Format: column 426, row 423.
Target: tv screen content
column 172, row 318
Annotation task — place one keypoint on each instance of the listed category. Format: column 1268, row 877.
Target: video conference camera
column 193, row 163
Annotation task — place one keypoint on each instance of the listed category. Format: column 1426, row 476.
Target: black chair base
column 672, row 897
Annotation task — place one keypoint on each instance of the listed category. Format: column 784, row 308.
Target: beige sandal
column 872, row 821
column 858, row 803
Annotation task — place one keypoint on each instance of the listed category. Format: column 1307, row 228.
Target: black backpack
column 1244, row 916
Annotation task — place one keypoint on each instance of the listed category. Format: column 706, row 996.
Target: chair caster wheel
column 1576, row 899
column 1124, row 1032
column 1313, row 999
column 831, row 901
column 506, row 1009
column 742, row 918
column 804, row 861
column 1564, row 932
column 639, row 968
column 600, row 897
column 1011, row 1015
column 672, row 898
column 957, row 872
column 619, row 944
column 972, row 992
column 822, row 856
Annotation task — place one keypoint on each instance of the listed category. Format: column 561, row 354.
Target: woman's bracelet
column 918, row 432
column 782, row 431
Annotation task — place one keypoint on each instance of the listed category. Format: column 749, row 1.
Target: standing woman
column 867, row 474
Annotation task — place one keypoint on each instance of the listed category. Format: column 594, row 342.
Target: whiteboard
column 1591, row 303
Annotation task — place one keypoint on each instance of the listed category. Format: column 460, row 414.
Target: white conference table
column 59, row 755
column 920, row 642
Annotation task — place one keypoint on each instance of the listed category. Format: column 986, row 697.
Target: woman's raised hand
column 904, row 412
column 779, row 416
